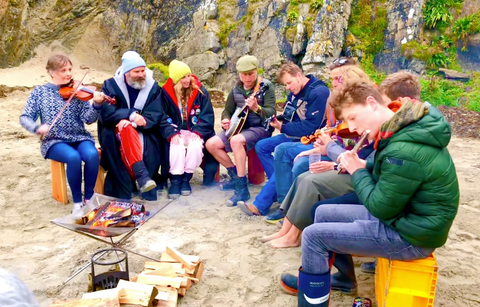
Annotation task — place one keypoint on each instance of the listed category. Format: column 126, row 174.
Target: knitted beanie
column 131, row 60
column 177, row 70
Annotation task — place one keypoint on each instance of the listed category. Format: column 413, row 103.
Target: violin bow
column 355, row 149
column 66, row 104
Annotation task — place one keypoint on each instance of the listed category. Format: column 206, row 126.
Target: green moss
column 367, row 23
column 369, row 68
column 292, row 16
column 260, row 71
column 225, row 30
column 316, row 5
column 162, row 68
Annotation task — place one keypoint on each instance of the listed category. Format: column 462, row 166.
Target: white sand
column 240, row 271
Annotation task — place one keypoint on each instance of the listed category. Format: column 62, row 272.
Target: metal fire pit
column 97, row 233
column 110, row 278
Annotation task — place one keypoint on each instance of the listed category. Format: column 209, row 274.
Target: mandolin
column 241, row 113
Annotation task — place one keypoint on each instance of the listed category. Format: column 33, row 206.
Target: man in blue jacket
column 304, row 112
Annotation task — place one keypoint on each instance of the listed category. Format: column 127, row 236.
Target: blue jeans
column 287, row 171
column 269, row 194
column 264, row 149
column 299, row 167
column 351, row 229
column 349, row 198
column 73, row 154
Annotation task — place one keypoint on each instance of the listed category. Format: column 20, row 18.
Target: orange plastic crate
column 406, row 283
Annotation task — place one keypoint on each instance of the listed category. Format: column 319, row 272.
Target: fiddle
column 341, row 130
column 82, row 92
column 355, row 149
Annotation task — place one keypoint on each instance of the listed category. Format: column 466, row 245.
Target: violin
column 341, row 130
column 355, row 149
column 84, row 92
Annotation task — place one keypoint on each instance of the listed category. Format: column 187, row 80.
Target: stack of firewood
column 159, row 284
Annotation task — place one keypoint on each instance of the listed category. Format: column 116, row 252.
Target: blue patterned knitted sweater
column 46, row 102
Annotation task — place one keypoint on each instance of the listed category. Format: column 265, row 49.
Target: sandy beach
column 239, row 270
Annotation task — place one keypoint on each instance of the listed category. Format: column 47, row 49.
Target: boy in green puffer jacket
column 410, row 192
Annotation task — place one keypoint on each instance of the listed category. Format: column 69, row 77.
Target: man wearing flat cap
column 128, row 130
column 260, row 107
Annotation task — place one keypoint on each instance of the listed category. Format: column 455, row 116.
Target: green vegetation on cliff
column 439, row 91
column 367, row 24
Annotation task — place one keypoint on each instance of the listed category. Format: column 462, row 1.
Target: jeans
column 264, row 149
column 349, row 198
column 299, row 167
column 284, row 156
column 73, row 154
column 351, row 229
column 268, row 195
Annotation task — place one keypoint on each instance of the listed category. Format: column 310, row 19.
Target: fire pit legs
column 109, row 279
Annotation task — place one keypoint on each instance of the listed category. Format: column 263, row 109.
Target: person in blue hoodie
column 304, row 112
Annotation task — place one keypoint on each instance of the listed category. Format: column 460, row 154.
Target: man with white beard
column 128, row 130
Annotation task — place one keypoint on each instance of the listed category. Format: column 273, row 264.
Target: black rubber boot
column 144, row 182
column 241, row 192
column 186, row 189
column 313, row 289
column 344, row 280
column 175, row 186
column 232, row 183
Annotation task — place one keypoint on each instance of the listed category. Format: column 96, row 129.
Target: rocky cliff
column 210, row 35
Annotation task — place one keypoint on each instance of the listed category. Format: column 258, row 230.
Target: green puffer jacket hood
column 413, row 186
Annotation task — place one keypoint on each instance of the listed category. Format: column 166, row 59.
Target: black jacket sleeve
column 230, row 107
column 111, row 114
column 206, row 118
column 152, row 112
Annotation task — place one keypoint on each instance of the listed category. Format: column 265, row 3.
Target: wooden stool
column 59, row 180
column 256, row 174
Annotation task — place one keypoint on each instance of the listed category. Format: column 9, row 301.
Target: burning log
column 115, row 214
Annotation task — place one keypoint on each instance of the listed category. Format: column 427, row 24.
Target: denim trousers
column 73, row 154
column 349, row 198
column 351, row 229
column 284, row 166
column 264, row 149
column 268, row 195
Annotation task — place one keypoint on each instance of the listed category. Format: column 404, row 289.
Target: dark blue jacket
column 314, row 97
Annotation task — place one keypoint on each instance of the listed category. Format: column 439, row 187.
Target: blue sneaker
column 369, row 267
column 280, row 223
column 289, row 283
column 274, row 216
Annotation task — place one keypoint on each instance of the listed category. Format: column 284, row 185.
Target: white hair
column 13, row 292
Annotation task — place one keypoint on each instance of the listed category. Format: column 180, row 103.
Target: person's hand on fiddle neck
column 98, row 97
column 324, row 138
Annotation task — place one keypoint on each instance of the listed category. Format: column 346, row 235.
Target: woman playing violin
column 66, row 141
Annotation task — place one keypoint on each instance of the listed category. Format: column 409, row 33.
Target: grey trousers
column 309, row 188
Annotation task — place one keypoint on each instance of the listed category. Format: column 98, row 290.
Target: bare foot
column 284, row 242
column 271, row 237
